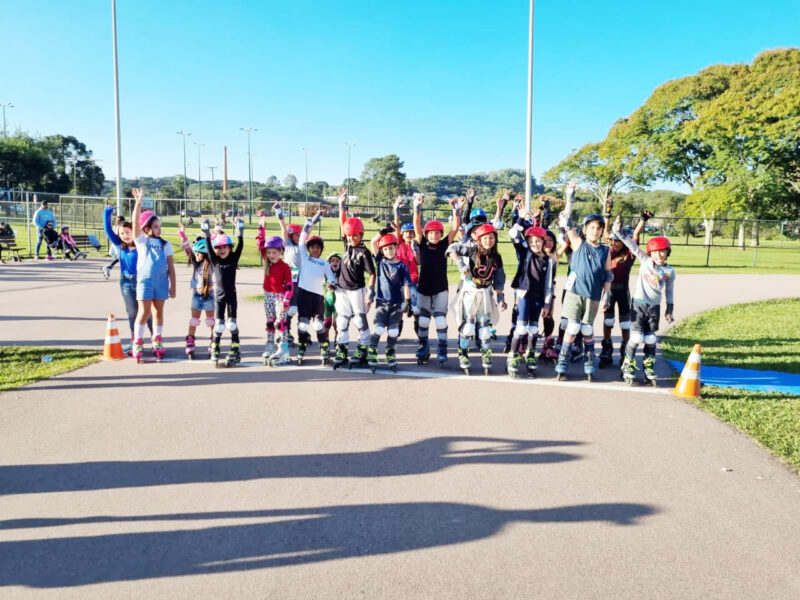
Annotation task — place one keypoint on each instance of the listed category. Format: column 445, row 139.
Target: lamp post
column 199, row 173
column 248, row 131
column 349, row 146
column 5, row 106
column 305, row 207
column 184, row 134
column 529, row 134
column 213, row 191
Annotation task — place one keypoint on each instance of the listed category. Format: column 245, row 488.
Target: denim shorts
column 152, row 288
column 200, row 302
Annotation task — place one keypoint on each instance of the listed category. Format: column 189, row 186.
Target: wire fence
column 84, row 214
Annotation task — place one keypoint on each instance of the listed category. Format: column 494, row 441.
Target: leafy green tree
column 383, row 179
column 23, row 163
column 290, row 181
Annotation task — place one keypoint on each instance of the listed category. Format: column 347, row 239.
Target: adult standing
column 40, row 218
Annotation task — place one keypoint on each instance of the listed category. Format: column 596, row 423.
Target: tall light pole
column 184, row 134
column 116, row 106
column 529, row 140
column 213, row 192
column 248, row 131
column 5, row 106
column 199, row 173
column 349, row 145
column 305, row 208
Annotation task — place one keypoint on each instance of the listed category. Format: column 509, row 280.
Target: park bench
column 84, row 243
column 8, row 243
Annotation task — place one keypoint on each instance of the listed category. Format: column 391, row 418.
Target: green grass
column 21, row 365
column 758, row 335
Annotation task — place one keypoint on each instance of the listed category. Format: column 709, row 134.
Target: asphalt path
column 180, row 480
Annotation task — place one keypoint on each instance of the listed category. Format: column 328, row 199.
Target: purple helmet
column 222, row 240
column 274, row 242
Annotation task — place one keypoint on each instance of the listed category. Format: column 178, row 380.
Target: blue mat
column 747, row 379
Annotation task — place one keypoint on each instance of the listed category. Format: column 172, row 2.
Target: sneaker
column 106, row 272
column 50, row 257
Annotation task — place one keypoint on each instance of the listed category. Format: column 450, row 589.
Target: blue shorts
column 200, row 302
column 152, row 289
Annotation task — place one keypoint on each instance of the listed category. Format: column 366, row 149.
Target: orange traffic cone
column 112, row 349
column 688, row 385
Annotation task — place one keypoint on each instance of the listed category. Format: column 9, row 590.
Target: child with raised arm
column 315, row 271
column 391, row 299
column 225, row 261
column 291, row 256
column 408, row 252
column 352, row 302
column 202, row 286
column 278, row 292
column 655, row 278
column 155, row 276
column 433, row 284
column 590, row 276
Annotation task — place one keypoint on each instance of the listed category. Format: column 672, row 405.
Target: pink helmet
column 146, row 217
column 222, row 240
column 274, row 242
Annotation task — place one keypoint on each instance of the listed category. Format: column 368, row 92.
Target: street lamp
column 529, row 134
column 213, row 192
column 305, row 208
column 184, row 134
column 248, row 131
column 199, row 176
column 6, row 105
column 349, row 145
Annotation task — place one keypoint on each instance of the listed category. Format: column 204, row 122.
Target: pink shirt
column 406, row 255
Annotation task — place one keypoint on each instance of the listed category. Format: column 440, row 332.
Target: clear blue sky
column 440, row 83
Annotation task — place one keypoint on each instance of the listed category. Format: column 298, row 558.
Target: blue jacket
column 42, row 216
column 127, row 256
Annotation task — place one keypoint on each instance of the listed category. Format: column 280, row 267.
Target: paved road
column 183, row 481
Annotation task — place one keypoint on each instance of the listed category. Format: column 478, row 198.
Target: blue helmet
column 478, row 214
column 407, row 227
column 200, row 246
column 589, row 218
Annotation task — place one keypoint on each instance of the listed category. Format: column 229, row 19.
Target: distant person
column 113, row 251
column 68, row 245
column 5, row 231
column 40, row 218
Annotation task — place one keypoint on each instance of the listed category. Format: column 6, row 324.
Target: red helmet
column 387, row 240
column 433, row 225
column 658, row 243
column 536, row 231
column 292, row 229
column 484, row 229
column 353, row 226
column 315, row 239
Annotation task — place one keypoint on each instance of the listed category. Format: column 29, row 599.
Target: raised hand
column 205, row 225
column 239, row 226
column 138, row 195
column 316, row 218
column 646, row 215
column 181, row 228
column 418, row 199
column 471, row 194
column 277, row 209
column 399, row 202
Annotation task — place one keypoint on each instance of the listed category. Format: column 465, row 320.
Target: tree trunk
column 754, row 242
column 709, row 231
column 740, row 240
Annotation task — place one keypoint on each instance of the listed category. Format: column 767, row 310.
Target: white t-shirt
column 144, row 245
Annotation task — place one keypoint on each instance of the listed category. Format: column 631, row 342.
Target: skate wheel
column 562, row 377
column 589, row 378
column 373, row 369
column 394, row 369
column 190, row 356
column 486, row 371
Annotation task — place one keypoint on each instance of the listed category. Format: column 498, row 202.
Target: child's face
column 335, row 263
column 617, row 246
column 154, row 229
column 407, row 236
column 126, row 235
column 536, row 244
column 314, row 250
column 199, row 256
column 354, row 240
column 273, row 255
column 659, row 257
column 548, row 244
column 389, row 251
column 295, row 237
column 592, row 231
column 222, row 251
column 434, row 237
column 487, row 241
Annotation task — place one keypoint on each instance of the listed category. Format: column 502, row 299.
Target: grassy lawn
column 762, row 336
column 21, row 365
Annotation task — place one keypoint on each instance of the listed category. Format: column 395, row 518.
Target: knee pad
column 343, row 337
column 609, row 322
column 485, row 334
column 342, row 323
column 318, row 325
column 210, row 322
column 232, row 326
column 292, row 311
column 650, row 339
column 360, row 321
column 219, row 326
column 468, row 329
column 624, row 324
column 424, row 321
column 587, row 330
column 521, row 328
column 415, row 310
column 636, row 337
column 195, row 321
column 441, row 322
column 572, row 327
column 379, row 330
column 533, row 329
column 394, row 332
column 424, row 313
column 302, row 325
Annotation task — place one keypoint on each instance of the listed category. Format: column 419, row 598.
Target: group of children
column 403, row 272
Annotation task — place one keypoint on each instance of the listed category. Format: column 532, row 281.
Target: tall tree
column 290, row 181
column 383, row 179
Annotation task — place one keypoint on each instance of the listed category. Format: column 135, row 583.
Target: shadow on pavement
column 425, row 456
column 302, row 536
